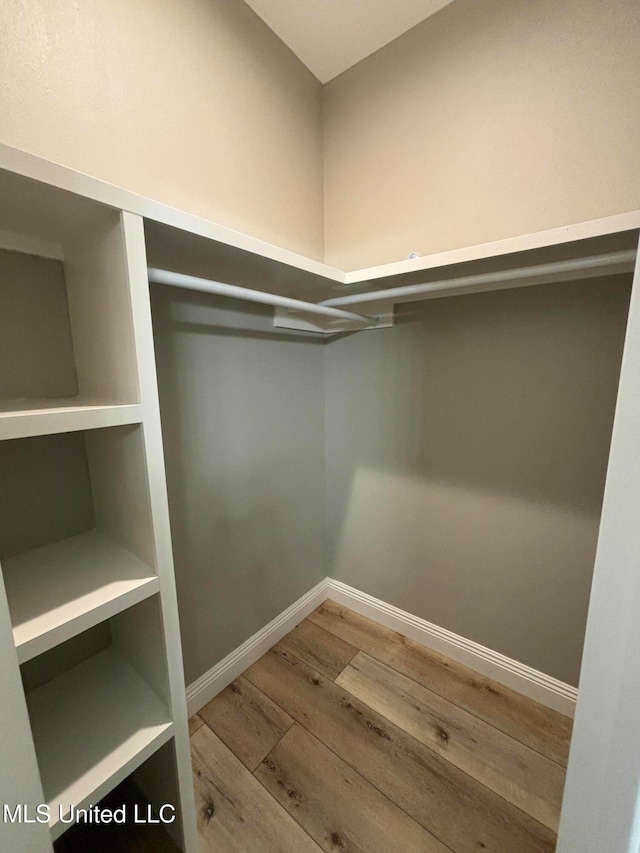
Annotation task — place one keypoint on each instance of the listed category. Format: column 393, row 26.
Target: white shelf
column 62, row 589
column 93, row 726
column 25, row 418
column 195, row 233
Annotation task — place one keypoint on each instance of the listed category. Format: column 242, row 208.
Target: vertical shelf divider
column 136, row 265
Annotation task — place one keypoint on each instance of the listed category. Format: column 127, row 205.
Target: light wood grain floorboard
column 460, row 812
column 530, row 723
column 247, row 721
column 334, row 804
column 235, row 812
column 194, row 724
column 368, row 742
column 522, row 776
column 319, row 648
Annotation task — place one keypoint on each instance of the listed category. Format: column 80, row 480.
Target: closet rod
column 219, row 288
column 614, row 262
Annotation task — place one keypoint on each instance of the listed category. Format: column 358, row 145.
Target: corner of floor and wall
column 523, row 679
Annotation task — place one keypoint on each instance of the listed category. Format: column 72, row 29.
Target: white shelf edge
column 629, row 221
column 92, row 727
column 56, row 175
column 44, row 417
column 62, row 177
column 117, row 579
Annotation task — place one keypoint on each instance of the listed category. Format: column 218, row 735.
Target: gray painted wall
column 45, row 491
column 36, row 352
column 466, row 453
column 243, row 417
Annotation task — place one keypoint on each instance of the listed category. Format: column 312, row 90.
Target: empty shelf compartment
column 57, row 591
column 92, row 726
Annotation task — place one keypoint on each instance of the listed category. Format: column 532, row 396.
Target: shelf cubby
column 130, row 833
column 67, row 348
column 93, row 688
column 95, row 710
column 68, row 586
column 75, row 532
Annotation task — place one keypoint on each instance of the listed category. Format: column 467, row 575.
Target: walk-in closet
column 319, row 418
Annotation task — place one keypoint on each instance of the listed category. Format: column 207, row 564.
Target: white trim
column 223, row 673
column 524, row 679
column 536, row 685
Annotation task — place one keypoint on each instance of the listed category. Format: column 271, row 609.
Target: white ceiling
column 330, row 36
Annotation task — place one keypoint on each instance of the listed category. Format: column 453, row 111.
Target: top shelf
column 188, row 243
column 27, row 418
column 68, row 342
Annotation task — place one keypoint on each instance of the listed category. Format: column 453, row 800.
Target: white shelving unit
column 90, row 655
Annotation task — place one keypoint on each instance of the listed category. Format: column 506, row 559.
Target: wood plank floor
column 349, row 737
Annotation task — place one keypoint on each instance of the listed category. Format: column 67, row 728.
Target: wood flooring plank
column 194, row 724
column 461, row 813
column 319, row 648
column 533, row 724
column 246, row 720
column 235, row 813
column 529, row 780
column 337, row 807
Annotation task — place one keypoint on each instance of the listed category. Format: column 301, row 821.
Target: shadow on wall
column 243, row 422
column 467, row 452
column 510, row 574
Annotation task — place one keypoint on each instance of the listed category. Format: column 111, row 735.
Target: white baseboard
column 524, row 679
column 223, row 673
column 530, row 682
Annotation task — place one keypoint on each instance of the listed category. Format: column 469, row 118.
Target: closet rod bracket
column 381, row 317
